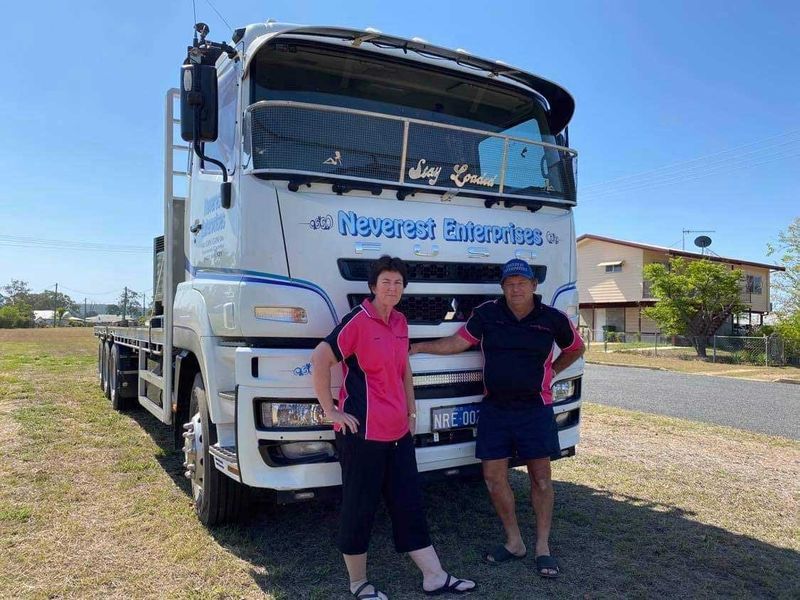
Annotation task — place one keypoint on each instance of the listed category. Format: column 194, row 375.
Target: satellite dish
column 702, row 241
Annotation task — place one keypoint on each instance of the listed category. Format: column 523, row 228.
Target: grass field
column 93, row 504
column 664, row 360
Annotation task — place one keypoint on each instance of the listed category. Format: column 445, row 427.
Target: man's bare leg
column 495, row 474
column 542, row 498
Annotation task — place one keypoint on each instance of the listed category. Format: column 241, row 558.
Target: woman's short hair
column 387, row 263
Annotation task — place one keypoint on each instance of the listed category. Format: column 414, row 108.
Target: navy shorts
column 525, row 432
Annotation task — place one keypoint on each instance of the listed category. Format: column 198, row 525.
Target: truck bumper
column 284, row 375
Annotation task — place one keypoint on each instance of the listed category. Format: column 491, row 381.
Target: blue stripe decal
column 564, row 288
column 258, row 277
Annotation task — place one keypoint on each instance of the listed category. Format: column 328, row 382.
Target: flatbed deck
column 149, row 339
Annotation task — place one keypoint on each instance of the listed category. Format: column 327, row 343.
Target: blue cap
column 516, row 267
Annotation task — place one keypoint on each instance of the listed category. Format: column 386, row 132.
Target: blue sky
column 688, row 116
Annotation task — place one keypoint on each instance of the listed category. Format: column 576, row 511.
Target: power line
column 740, row 159
column 697, row 172
column 699, row 158
column 219, row 15
column 683, row 177
column 88, row 293
column 33, row 242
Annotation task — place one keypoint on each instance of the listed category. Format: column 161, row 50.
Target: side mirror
column 199, row 103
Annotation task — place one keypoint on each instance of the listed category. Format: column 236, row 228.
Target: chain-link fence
column 764, row 350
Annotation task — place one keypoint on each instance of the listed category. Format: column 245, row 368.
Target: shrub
column 15, row 316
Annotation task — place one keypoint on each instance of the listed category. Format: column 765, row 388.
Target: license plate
column 453, row 417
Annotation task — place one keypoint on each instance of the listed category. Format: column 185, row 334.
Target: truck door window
column 224, row 148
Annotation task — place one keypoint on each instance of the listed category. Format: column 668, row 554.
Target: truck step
column 226, row 460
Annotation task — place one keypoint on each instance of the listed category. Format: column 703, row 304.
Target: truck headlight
column 563, row 390
column 292, row 414
column 284, row 314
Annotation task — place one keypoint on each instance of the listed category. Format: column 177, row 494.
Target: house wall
column 632, row 319
column 595, row 285
column 757, row 302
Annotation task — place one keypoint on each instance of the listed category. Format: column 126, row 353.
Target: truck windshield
column 369, row 147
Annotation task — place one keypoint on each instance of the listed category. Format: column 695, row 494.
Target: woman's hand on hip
column 344, row 419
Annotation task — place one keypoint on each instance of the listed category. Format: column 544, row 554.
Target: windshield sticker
column 462, row 176
column 335, row 160
column 424, row 172
column 351, row 224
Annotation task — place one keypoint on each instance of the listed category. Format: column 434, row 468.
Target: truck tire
column 107, row 369
column 217, row 498
column 119, row 397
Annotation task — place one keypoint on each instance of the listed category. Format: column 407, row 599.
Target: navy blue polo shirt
column 518, row 354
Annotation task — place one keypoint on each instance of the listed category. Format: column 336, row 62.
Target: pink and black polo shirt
column 518, row 355
column 375, row 357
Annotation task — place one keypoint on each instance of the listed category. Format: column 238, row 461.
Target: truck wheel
column 118, row 396
column 107, row 369
column 101, row 363
column 217, row 497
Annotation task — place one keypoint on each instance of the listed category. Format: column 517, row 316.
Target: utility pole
column 125, row 303
column 84, row 310
column 55, row 306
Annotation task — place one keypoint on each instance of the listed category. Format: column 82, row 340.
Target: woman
column 374, row 420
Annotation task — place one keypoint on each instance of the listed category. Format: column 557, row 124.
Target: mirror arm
column 225, row 187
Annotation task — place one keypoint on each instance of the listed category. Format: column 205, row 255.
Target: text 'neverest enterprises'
column 349, row 223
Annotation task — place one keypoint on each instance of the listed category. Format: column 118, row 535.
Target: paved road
column 772, row 408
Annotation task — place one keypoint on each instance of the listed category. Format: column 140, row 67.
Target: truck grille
column 432, row 309
column 357, row 269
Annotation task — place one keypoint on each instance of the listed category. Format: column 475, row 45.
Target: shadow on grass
column 169, row 459
column 606, row 546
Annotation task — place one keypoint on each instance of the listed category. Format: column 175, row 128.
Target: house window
column 612, row 266
column 753, row 285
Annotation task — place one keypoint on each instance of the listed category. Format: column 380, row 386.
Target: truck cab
column 315, row 150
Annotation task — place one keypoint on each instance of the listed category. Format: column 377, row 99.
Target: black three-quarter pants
column 371, row 469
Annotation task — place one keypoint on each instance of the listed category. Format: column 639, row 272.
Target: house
column 612, row 291
column 44, row 318
column 106, row 320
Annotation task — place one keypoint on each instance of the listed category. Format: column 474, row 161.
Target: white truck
column 314, row 150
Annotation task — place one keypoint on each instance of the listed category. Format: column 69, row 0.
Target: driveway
column 772, row 408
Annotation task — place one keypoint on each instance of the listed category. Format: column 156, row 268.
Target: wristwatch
column 412, row 415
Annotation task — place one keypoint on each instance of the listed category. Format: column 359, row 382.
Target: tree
column 130, row 304
column 787, row 284
column 695, row 297
column 50, row 300
column 17, row 291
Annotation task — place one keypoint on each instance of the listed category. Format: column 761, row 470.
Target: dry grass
column 596, row 355
column 93, row 505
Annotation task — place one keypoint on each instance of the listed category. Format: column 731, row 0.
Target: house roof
column 104, row 319
column 674, row 252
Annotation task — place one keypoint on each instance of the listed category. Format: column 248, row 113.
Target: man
column 516, row 334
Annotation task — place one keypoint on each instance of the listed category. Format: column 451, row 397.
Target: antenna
column 685, row 231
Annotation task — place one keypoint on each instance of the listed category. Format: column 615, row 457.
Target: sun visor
column 561, row 105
